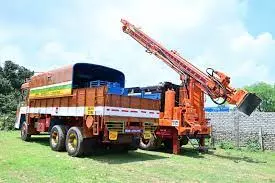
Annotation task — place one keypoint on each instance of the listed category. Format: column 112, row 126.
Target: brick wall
column 240, row 128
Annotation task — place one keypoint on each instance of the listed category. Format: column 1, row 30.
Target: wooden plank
column 81, row 97
column 90, row 96
column 115, row 101
column 73, row 99
column 64, row 102
column 49, row 102
column 43, row 103
column 125, row 101
column 37, row 103
column 56, row 102
column 135, row 102
column 100, row 96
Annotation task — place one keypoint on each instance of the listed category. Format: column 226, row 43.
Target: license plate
column 113, row 135
column 147, row 135
column 133, row 130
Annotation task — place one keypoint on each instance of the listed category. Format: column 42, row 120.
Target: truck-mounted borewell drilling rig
column 182, row 114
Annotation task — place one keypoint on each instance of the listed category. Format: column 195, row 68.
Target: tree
column 5, row 85
column 12, row 76
column 15, row 74
column 267, row 93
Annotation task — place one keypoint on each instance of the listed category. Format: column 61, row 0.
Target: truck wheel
column 134, row 145
column 57, row 138
column 24, row 132
column 149, row 144
column 74, row 142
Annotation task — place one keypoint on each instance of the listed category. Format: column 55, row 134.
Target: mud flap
column 249, row 103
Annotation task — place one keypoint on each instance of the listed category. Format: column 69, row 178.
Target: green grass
column 35, row 162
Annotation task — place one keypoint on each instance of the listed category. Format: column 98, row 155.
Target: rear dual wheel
column 57, row 138
column 71, row 140
column 74, row 142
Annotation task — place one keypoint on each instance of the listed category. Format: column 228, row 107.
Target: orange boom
column 184, row 118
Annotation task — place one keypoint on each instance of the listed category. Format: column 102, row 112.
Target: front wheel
column 74, row 142
column 24, row 132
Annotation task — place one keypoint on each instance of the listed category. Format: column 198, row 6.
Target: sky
column 232, row 36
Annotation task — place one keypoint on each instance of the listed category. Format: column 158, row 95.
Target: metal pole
column 236, row 119
column 261, row 139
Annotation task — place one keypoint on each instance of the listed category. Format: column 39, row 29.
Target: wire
column 212, row 71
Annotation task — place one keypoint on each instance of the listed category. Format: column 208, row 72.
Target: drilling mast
column 184, row 119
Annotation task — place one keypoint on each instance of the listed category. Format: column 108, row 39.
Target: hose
column 211, row 75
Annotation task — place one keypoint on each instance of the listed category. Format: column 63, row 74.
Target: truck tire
column 151, row 144
column 133, row 146
column 57, row 138
column 74, row 142
column 24, row 132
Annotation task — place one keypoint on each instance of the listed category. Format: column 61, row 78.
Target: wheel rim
column 72, row 142
column 145, row 141
column 54, row 138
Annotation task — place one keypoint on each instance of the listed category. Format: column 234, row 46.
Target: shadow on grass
column 121, row 158
column 185, row 151
column 110, row 156
column 39, row 139
column 237, row 159
column 192, row 152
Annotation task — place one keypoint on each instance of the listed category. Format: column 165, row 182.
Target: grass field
column 35, row 162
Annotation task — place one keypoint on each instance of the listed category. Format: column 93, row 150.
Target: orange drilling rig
column 182, row 115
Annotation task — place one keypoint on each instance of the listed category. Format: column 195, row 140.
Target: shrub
column 226, row 145
column 7, row 121
column 252, row 145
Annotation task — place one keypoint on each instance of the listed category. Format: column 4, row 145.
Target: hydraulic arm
column 213, row 83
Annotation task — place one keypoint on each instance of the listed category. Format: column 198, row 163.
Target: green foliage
column 7, row 121
column 226, row 145
column 12, row 76
column 9, row 102
column 15, row 74
column 252, row 145
column 267, row 93
column 5, row 85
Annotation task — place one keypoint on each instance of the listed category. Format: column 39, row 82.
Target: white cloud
column 208, row 33
column 11, row 52
column 56, row 51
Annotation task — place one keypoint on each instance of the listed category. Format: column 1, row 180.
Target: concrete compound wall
column 239, row 128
